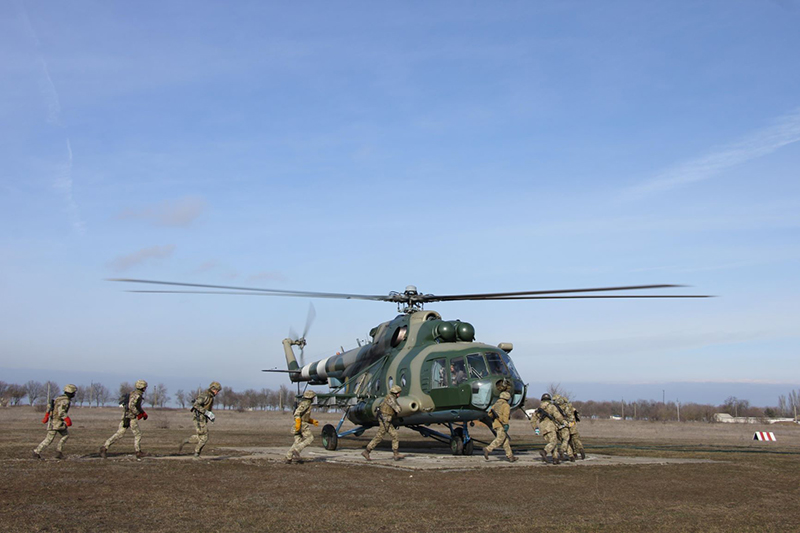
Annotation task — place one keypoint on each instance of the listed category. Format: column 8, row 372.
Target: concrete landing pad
column 426, row 460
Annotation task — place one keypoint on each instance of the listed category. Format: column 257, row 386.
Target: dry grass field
column 748, row 486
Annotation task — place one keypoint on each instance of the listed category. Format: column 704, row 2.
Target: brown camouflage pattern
column 388, row 409
column 303, row 437
column 56, row 424
column 503, row 412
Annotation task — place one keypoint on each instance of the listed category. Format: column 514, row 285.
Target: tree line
column 97, row 394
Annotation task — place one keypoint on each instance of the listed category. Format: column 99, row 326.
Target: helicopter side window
column 403, row 382
column 458, row 371
column 477, row 366
column 510, row 365
column 496, row 365
column 438, row 375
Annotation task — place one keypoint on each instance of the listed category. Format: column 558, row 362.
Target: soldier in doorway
column 386, row 412
column 57, row 422
column 131, row 414
column 201, row 409
column 300, row 429
column 501, row 412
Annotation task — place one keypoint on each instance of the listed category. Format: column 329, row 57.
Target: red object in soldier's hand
column 67, row 421
column 46, row 418
column 141, row 415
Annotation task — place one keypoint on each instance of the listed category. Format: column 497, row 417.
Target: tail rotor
column 301, row 340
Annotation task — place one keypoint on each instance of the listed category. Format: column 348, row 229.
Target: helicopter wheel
column 469, row 447
column 457, row 445
column 330, row 440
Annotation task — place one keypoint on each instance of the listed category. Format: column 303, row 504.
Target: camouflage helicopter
column 446, row 377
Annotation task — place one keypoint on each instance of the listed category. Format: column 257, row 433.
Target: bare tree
column 3, row 393
column 180, row 397
column 50, row 390
column 101, row 394
column 16, row 393
column 557, row 389
column 33, row 389
column 158, row 396
column 81, row 394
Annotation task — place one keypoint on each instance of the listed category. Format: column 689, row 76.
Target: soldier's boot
column 59, row 455
column 512, row 459
column 486, row 454
column 571, row 458
column 139, row 454
column 397, row 456
column 556, row 459
column 103, row 452
column 583, row 454
column 296, row 457
column 544, row 455
column 196, row 456
column 36, row 455
column 365, row 453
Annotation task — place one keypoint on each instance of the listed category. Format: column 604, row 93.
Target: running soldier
column 552, row 425
column 131, row 415
column 575, row 445
column 57, row 422
column 201, row 409
column 501, row 412
column 386, row 412
column 300, row 430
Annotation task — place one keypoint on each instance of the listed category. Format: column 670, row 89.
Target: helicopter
column 447, row 378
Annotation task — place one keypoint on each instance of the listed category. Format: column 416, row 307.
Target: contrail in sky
column 785, row 130
column 63, row 180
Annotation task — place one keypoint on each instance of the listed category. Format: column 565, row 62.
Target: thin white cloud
column 145, row 254
column 180, row 212
column 784, row 131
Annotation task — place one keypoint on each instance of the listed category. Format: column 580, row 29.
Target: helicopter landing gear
column 457, row 445
column 330, row 440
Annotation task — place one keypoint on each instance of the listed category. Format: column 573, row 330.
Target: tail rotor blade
column 312, row 314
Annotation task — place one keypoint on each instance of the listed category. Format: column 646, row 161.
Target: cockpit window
column 438, row 375
column 458, row 370
column 510, row 365
column 477, row 366
column 496, row 365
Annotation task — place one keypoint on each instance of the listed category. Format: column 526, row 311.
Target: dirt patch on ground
column 667, row 477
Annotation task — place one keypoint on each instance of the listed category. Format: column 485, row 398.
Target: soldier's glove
column 572, row 424
column 297, row 423
column 315, row 422
column 505, row 428
column 536, row 431
column 46, row 418
column 67, row 421
column 210, row 416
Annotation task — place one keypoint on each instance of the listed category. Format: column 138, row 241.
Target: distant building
column 725, row 418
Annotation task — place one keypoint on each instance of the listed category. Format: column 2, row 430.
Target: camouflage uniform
column 57, row 422
column 201, row 409
column 130, row 419
column 502, row 412
column 575, row 446
column 553, row 427
column 388, row 409
column 300, row 429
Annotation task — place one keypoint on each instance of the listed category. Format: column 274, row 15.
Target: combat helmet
column 215, row 385
column 396, row 389
column 140, row 384
column 70, row 389
column 505, row 395
column 309, row 394
column 546, row 397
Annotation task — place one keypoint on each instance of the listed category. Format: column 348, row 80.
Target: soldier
column 386, row 412
column 553, row 426
column 57, row 422
column 501, row 413
column 131, row 415
column 201, row 408
column 575, row 446
column 300, row 430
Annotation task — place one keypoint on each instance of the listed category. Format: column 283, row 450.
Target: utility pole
column 679, row 410
column 664, row 396
column 623, row 408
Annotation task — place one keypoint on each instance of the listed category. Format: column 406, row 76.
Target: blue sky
column 361, row 147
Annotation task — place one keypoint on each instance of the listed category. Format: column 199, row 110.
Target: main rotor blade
column 498, row 295
column 268, row 292
column 586, row 296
